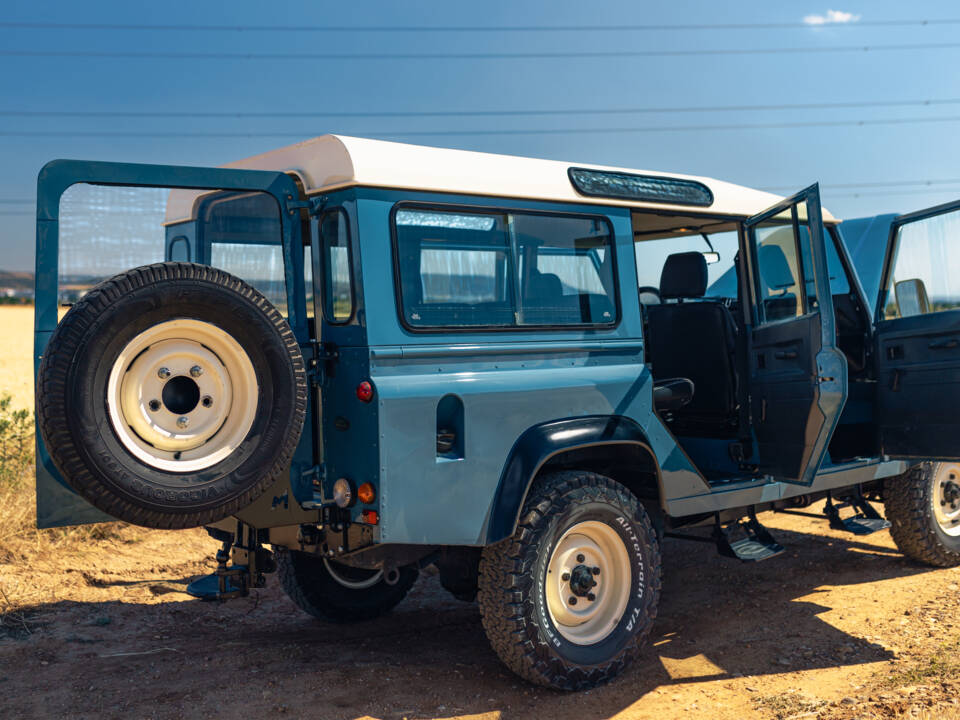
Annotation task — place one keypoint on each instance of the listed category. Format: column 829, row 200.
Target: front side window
column 926, row 253
column 463, row 269
column 779, row 289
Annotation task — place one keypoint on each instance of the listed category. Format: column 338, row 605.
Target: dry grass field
column 16, row 354
column 94, row 623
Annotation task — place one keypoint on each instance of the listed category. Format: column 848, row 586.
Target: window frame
column 801, row 279
column 327, row 312
column 424, row 206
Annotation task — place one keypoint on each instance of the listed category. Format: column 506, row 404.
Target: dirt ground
column 838, row 627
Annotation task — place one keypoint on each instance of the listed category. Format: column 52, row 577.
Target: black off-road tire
column 513, row 603
column 308, row 582
column 72, row 404
column 908, row 503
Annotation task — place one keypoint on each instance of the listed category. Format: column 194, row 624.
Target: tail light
column 365, row 392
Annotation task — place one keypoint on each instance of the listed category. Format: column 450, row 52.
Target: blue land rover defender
column 350, row 359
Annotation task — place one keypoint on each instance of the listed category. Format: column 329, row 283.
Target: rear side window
column 460, row 269
column 337, row 278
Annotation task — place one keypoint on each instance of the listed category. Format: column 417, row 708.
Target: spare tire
column 171, row 395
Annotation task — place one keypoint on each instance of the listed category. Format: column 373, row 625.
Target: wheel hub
column 581, row 580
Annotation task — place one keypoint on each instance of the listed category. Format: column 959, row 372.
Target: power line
column 164, row 55
column 481, row 113
column 488, row 132
column 890, row 183
column 931, row 191
column 474, row 28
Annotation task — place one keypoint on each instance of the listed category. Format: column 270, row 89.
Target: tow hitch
column 234, row 580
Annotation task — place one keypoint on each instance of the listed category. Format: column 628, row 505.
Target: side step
column 746, row 540
column 866, row 522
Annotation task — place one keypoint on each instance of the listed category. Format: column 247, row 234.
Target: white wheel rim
column 946, row 498
column 581, row 552
column 182, row 395
column 353, row 584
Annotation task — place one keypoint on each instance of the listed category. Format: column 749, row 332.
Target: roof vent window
column 647, row 188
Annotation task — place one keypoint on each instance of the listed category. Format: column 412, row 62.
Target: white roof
column 330, row 162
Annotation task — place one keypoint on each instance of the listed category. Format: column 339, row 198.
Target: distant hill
column 16, row 280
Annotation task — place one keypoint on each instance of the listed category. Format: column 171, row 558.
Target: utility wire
column 474, row 28
column 449, row 133
column 890, row 183
column 479, row 113
column 565, row 54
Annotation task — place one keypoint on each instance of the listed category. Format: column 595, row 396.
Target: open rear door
column 798, row 377
column 97, row 219
column 918, row 336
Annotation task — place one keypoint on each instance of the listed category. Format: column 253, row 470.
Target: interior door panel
column 918, row 362
column 786, row 392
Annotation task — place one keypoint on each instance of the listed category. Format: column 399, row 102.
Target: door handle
column 943, row 344
column 785, row 355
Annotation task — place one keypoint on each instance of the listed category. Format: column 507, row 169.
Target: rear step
column 746, row 540
column 866, row 522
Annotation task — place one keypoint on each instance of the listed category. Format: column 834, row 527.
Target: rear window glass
column 462, row 269
column 337, row 281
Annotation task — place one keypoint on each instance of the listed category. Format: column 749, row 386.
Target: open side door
column 918, row 336
column 96, row 219
column 798, row 377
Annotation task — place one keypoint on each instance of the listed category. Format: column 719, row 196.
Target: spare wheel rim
column 182, row 395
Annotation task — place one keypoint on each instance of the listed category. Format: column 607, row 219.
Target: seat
column 694, row 339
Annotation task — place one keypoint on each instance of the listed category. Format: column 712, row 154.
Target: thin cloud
column 832, row 17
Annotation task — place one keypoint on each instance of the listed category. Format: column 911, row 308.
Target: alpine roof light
column 627, row 186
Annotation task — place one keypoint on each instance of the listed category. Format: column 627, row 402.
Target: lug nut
column 154, row 405
column 182, row 422
column 163, row 373
column 207, row 401
column 572, row 600
column 595, row 571
column 580, row 558
column 565, row 577
column 196, row 371
column 591, row 597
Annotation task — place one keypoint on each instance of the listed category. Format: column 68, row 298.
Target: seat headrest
column 545, row 286
column 774, row 267
column 684, row 275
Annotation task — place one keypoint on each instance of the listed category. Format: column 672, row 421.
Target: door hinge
column 312, row 205
column 321, row 354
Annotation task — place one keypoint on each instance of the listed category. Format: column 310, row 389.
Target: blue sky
column 784, row 158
